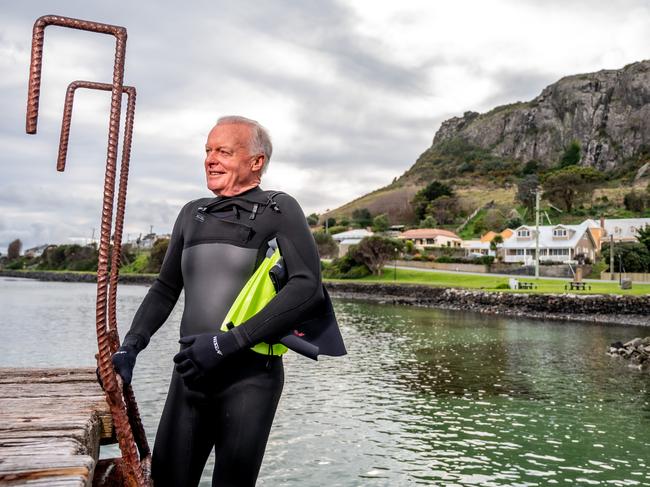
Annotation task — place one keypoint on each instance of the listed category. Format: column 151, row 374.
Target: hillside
column 483, row 156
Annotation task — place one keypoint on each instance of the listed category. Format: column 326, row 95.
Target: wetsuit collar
column 248, row 192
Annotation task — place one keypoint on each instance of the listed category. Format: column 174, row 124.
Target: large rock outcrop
column 607, row 112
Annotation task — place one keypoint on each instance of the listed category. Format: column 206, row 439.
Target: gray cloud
column 338, row 102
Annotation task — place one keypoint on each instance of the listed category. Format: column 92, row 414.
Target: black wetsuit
column 216, row 245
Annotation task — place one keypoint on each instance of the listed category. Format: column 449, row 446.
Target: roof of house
column 546, row 239
column 625, row 227
column 428, row 233
column 506, row 234
column 350, row 241
column 357, row 233
column 475, row 244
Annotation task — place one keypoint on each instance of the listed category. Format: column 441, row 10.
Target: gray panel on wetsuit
column 213, row 275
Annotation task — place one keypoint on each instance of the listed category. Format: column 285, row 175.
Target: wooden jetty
column 52, row 422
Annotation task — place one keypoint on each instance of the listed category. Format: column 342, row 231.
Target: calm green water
column 424, row 397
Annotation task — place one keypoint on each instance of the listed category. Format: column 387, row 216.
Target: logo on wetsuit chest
column 200, row 215
column 216, row 345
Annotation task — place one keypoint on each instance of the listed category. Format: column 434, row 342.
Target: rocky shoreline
column 604, row 309
column 637, row 351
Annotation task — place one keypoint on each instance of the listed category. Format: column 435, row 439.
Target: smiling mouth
column 216, row 173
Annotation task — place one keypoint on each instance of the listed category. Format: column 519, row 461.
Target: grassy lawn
column 490, row 283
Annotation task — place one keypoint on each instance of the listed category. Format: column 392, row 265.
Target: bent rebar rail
column 135, row 469
column 116, row 254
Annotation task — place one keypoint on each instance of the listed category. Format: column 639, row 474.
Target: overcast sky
column 351, row 92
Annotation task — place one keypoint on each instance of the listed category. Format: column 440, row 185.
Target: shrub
column 375, row 251
column 327, row 246
column 346, row 267
column 157, row 256
column 635, row 201
column 632, row 256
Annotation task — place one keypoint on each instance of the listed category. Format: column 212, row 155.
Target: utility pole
column 611, row 257
column 538, row 194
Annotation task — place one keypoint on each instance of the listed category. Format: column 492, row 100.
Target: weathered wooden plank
column 51, row 424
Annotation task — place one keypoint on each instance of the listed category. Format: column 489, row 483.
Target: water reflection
column 424, row 397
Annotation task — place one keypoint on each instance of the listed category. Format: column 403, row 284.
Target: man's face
column 230, row 168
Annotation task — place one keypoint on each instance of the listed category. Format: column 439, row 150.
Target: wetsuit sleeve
column 163, row 294
column 303, row 290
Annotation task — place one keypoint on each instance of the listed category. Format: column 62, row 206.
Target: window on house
column 559, row 232
column 559, row 252
column 524, row 232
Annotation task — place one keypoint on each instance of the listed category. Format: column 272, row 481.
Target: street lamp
column 395, row 264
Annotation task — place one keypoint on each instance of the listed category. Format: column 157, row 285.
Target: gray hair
column 260, row 141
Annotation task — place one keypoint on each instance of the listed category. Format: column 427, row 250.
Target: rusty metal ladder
column 134, row 468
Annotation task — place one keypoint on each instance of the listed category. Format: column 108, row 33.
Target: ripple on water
column 424, row 397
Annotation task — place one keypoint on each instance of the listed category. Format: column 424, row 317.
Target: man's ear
column 258, row 162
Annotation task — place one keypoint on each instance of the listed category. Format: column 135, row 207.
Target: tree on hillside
column 643, row 236
column 571, row 155
column 444, row 209
column 526, row 191
column 425, row 196
column 380, row 223
column 571, row 185
column 428, row 222
column 493, row 220
column 362, row 217
column 531, row 167
column 376, row 251
column 14, row 248
column 636, row 201
column 312, row 219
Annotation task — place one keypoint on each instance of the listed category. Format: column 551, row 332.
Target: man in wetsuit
column 223, row 395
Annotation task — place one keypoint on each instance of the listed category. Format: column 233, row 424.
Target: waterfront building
column 623, row 229
column 557, row 243
column 349, row 238
column 431, row 238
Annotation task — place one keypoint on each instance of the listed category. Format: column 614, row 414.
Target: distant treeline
column 76, row 257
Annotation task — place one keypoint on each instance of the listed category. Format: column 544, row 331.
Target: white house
column 474, row 248
column 349, row 238
column 557, row 243
column 36, row 251
column 426, row 238
column 623, row 229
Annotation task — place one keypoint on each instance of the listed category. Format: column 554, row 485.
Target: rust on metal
column 114, row 340
column 122, row 408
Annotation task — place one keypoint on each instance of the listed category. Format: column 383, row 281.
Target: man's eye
column 224, row 152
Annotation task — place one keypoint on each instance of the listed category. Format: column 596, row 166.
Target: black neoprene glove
column 123, row 362
column 202, row 354
column 124, row 359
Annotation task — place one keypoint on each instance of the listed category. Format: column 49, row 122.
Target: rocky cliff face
column 607, row 112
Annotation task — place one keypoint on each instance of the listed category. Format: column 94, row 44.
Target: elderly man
column 224, row 393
